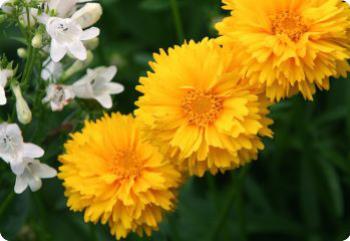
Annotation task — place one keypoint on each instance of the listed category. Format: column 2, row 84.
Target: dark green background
column 297, row 190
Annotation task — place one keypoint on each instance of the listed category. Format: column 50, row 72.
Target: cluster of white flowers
column 22, row 158
column 62, row 34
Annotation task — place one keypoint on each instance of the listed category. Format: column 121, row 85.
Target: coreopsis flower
column 289, row 46
column 67, row 36
column 114, row 176
column 96, row 84
column 31, row 177
column 5, row 74
column 58, row 96
column 13, row 150
column 197, row 109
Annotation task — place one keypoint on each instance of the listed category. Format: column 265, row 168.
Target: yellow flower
column 289, row 46
column 198, row 111
column 113, row 176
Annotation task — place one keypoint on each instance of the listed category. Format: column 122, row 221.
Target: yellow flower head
column 115, row 177
column 289, row 46
column 199, row 112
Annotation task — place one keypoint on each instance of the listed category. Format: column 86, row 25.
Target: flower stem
column 177, row 20
column 28, row 69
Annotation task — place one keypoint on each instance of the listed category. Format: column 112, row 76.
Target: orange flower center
column 290, row 24
column 125, row 164
column 201, row 109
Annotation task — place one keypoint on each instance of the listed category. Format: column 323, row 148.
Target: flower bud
column 37, row 41
column 92, row 43
column 22, row 53
column 24, row 114
column 78, row 65
column 88, row 15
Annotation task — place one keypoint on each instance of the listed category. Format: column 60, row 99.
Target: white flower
column 1, row 238
column 51, row 70
column 13, row 150
column 96, row 84
column 5, row 74
column 32, row 175
column 58, row 96
column 67, row 36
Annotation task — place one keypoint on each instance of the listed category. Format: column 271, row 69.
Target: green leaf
column 155, row 5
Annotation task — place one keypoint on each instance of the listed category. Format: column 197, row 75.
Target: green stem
column 28, row 69
column 177, row 20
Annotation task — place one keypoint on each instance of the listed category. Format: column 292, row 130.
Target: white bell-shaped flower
column 5, row 74
column 96, row 84
column 32, row 175
column 13, row 150
column 67, row 36
column 58, row 96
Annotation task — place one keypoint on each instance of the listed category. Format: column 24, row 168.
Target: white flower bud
column 78, row 65
column 22, row 53
column 24, row 114
column 92, row 43
column 37, row 41
column 88, row 15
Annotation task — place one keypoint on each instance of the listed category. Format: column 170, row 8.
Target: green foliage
column 297, row 190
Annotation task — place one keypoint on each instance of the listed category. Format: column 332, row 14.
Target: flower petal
column 115, row 88
column 42, row 170
column 35, row 183
column 105, row 101
column 57, row 51
column 90, row 33
column 3, row 99
column 78, row 50
column 18, row 166
column 21, row 184
column 32, row 151
column 109, row 73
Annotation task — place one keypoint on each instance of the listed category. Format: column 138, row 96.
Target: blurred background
column 297, row 190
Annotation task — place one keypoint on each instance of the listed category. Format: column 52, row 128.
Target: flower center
column 290, row 24
column 9, row 144
column 125, row 164
column 201, row 109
